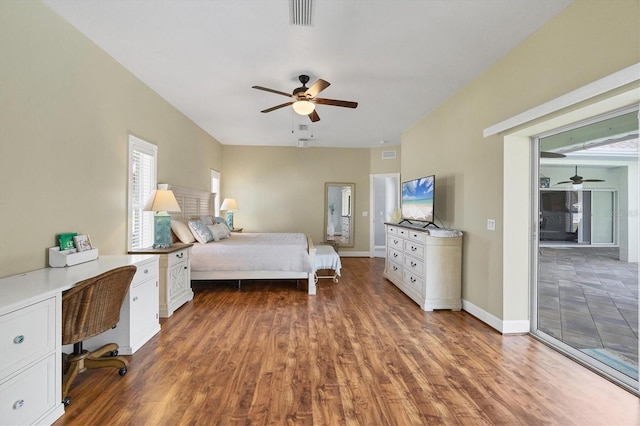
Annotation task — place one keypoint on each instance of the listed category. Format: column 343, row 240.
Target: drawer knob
column 18, row 339
column 413, row 280
column 395, row 241
column 395, row 268
column 413, row 248
column 179, row 255
column 18, row 404
column 413, row 264
column 395, row 254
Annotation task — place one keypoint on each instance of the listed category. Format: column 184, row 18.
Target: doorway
column 385, row 199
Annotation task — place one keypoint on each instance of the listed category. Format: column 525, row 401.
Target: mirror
column 338, row 213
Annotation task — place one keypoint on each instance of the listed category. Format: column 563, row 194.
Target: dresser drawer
column 395, row 255
column 403, row 232
column 394, row 269
column 416, row 236
column 395, row 242
column 392, row 230
column 26, row 335
column 414, row 249
column 178, row 256
column 414, row 265
column 413, row 281
column 145, row 271
column 26, row 396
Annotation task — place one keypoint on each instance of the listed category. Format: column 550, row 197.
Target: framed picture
column 82, row 242
column 66, row 241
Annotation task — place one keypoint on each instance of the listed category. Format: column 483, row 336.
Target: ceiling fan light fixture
column 303, row 107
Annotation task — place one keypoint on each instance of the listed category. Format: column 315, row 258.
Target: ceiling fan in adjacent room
column 304, row 98
column 578, row 180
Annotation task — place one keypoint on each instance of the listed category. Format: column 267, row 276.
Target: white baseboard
column 354, row 253
column 504, row 327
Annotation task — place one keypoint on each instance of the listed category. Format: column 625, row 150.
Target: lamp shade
column 303, row 107
column 229, row 204
column 162, row 200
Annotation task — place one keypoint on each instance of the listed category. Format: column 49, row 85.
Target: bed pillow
column 218, row 219
column 200, row 231
column 182, row 231
column 207, row 220
column 219, row 231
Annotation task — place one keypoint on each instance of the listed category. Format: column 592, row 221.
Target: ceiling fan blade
column 316, row 88
column 545, row 154
column 314, row 116
column 593, row 180
column 277, row 107
column 564, row 181
column 277, row 92
column 334, row 102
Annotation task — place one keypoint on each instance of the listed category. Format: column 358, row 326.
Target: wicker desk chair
column 88, row 309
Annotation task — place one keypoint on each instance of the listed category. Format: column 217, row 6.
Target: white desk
column 31, row 334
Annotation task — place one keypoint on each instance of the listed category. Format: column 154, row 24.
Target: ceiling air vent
column 303, row 127
column 300, row 12
column 303, row 143
column 388, row 155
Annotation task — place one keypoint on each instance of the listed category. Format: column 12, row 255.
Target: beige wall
column 382, row 166
column 67, row 109
column 587, row 41
column 281, row 189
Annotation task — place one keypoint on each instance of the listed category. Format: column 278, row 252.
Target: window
column 142, row 181
column 215, row 189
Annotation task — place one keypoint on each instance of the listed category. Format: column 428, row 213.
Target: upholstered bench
column 327, row 259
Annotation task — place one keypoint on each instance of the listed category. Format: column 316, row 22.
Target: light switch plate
column 491, row 224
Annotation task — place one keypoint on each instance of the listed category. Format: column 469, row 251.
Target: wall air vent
column 300, row 11
column 388, row 155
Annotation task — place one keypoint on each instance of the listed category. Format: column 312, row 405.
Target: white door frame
column 372, row 204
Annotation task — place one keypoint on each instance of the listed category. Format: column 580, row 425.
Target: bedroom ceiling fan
column 304, row 98
column 578, row 180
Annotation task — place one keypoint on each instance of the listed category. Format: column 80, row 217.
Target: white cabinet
column 29, row 358
column 175, row 276
column 428, row 269
column 139, row 317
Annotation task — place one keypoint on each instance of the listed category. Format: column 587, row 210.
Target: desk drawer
column 26, row 335
column 29, row 394
column 145, row 271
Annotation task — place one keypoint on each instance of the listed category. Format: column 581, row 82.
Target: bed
column 245, row 256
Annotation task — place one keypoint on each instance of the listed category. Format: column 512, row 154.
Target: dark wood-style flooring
column 358, row 353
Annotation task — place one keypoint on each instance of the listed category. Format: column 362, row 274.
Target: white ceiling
column 398, row 59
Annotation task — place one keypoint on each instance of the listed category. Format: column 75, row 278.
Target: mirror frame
column 351, row 212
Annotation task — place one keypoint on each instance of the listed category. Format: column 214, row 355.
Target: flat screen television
column 418, row 200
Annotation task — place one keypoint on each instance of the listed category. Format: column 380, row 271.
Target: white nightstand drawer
column 27, row 334
column 178, row 256
column 26, row 396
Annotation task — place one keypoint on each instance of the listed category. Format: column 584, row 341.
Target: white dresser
column 175, row 276
column 31, row 333
column 428, row 269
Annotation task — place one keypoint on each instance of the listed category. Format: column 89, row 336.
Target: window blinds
column 142, row 182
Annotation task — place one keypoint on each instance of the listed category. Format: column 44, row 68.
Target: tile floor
column 589, row 300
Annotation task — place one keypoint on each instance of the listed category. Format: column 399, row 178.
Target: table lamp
column 162, row 201
column 229, row 204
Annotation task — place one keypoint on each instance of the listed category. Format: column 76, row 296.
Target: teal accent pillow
column 200, row 231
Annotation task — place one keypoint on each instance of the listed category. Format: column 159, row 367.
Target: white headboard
column 193, row 203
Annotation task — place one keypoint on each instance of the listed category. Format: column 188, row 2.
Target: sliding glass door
column 585, row 280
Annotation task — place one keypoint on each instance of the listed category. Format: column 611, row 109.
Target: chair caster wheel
column 122, row 371
column 66, row 401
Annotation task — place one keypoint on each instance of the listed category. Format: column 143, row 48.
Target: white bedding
column 327, row 258
column 253, row 252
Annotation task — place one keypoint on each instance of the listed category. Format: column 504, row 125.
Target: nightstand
column 175, row 276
